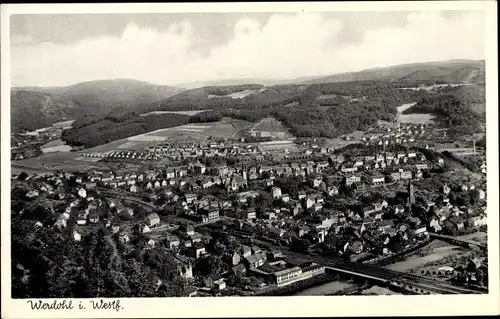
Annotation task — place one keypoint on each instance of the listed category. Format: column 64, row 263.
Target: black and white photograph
column 250, row 154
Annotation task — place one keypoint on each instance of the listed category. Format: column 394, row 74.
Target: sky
column 173, row 48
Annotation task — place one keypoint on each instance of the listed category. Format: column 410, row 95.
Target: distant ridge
column 455, row 70
column 37, row 107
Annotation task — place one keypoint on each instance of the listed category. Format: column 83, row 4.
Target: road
column 112, row 194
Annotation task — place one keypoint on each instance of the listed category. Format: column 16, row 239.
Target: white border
column 270, row 306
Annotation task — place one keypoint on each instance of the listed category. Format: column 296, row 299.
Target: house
column 274, row 254
column 190, row 198
column 332, row 190
column 94, row 218
column 445, row 189
column 423, row 166
column 405, row 175
column 196, row 251
column 277, row 232
column 151, row 243
column 200, row 169
column 245, row 251
column 421, row 231
column 276, row 192
column 434, row 225
column 352, row 179
column 195, row 238
column 212, row 215
column 453, row 224
column 310, row 201
column 133, row 189
column 256, row 249
column 232, row 258
column 123, row 238
column 285, row 198
column 317, row 182
column 77, row 236
column 256, row 260
column 480, row 194
column 189, row 230
column 378, row 180
column 152, row 219
column 146, row 229
column 348, row 169
column 366, row 211
column 240, row 268
column 81, row 219
column 317, row 207
column 396, row 176
column 301, row 195
column 219, row 285
column 477, row 221
column 385, row 226
column 172, row 242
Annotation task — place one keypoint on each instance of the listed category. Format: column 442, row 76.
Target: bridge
column 409, row 282
column 457, row 240
column 413, row 283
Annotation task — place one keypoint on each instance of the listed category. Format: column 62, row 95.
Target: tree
column 22, row 176
column 479, row 276
column 210, row 267
column 300, row 244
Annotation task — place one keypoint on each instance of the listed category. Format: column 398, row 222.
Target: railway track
column 381, row 274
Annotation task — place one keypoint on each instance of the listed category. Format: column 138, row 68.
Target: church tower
column 244, row 172
column 411, row 194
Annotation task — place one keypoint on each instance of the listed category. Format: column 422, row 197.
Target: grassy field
column 415, row 118
column 189, row 113
column 226, row 128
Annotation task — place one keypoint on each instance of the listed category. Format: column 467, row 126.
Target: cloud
column 286, row 46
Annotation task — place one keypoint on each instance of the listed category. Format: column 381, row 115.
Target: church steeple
column 244, row 172
column 411, row 194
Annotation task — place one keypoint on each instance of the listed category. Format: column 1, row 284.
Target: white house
column 152, row 219
column 77, row 236
column 82, row 192
column 276, row 192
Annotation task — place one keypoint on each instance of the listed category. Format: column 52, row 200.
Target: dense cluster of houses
column 176, row 151
column 375, row 227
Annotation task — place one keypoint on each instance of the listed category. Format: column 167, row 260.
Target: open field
column 188, row 113
column 435, row 86
column 339, row 142
column 64, row 124
column 55, row 146
column 416, row 261
column 235, row 95
column 269, row 124
column 278, row 145
column 416, row 118
column 226, row 128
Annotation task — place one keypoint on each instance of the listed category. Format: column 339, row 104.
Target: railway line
column 422, row 284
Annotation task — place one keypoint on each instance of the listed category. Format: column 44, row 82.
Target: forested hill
column 37, row 107
column 452, row 71
column 323, row 110
column 461, row 108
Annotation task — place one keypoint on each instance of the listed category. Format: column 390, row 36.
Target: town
column 236, row 218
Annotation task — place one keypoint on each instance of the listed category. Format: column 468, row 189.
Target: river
column 326, row 288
